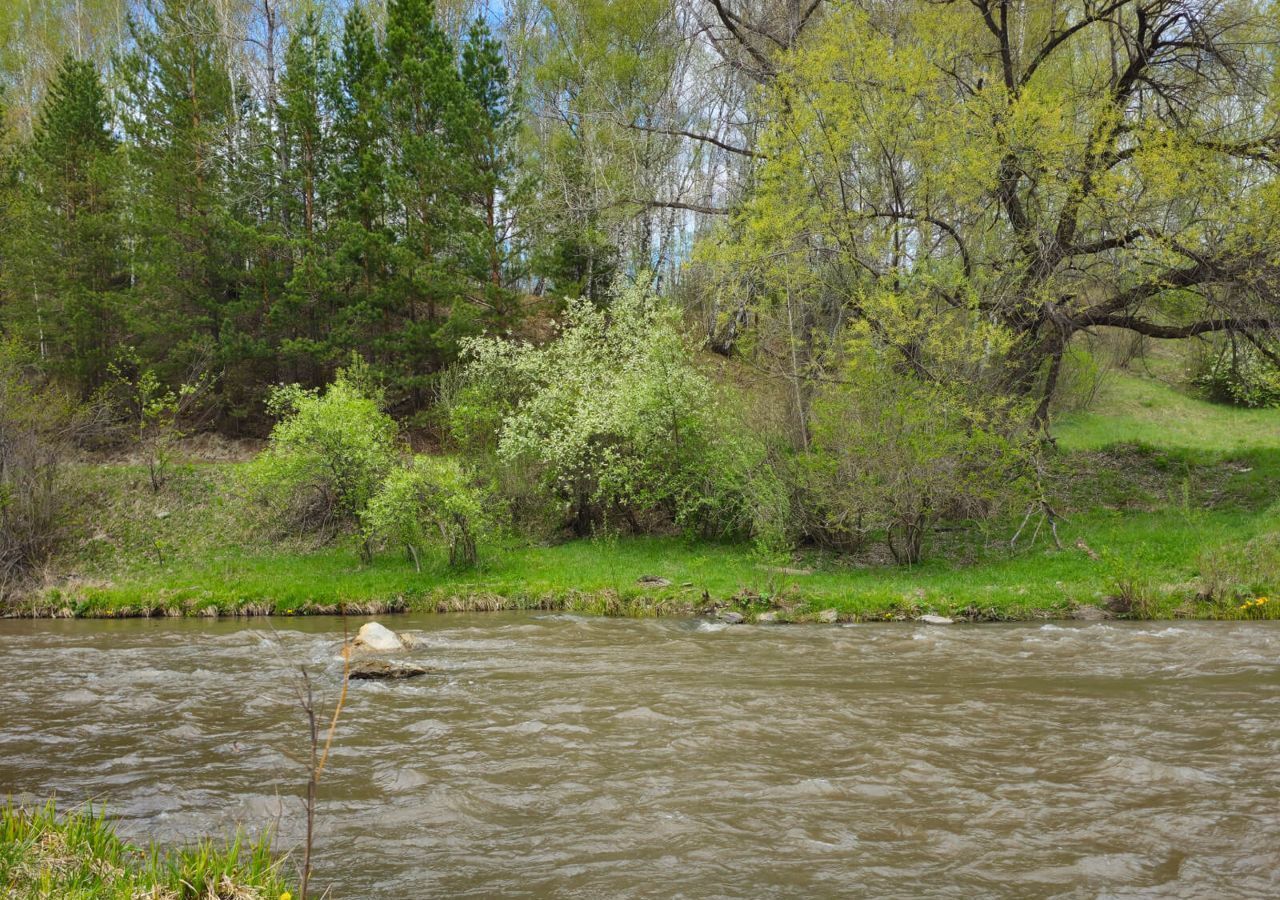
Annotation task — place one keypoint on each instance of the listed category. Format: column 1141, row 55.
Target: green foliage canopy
column 1039, row 168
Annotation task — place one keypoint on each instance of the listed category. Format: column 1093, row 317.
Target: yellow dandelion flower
column 286, row 896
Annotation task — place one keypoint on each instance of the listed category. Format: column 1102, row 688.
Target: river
column 582, row 757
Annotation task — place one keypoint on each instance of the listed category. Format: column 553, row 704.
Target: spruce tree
column 427, row 106
column 72, row 229
column 494, row 191
column 180, row 116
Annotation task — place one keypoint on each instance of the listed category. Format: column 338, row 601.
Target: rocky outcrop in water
column 368, row 651
column 370, row 669
column 377, row 638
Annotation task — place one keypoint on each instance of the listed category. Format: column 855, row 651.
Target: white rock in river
column 936, row 620
column 373, row 636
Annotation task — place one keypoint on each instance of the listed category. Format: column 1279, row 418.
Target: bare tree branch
column 1057, row 38
column 1177, row 332
column 730, row 22
column 676, row 204
column 706, row 138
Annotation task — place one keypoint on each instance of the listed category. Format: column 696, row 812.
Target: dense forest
column 795, row 270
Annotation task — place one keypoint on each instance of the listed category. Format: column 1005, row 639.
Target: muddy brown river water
column 577, row 757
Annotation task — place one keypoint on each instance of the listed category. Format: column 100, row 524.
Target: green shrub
column 429, row 502
column 1131, row 597
column 328, row 453
column 615, row 419
column 892, row 453
column 153, row 413
column 1238, row 374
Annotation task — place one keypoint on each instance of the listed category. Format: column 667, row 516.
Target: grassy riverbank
column 78, row 855
column 1170, row 507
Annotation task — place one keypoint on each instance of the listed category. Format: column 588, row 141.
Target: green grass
column 1170, row 506
column 78, row 856
column 1132, row 408
column 1159, row 552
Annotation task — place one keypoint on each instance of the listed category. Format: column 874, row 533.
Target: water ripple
column 578, row 757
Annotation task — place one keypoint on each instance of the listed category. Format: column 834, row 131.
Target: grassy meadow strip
column 77, row 855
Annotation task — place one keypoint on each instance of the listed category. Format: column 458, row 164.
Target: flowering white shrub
column 614, row 415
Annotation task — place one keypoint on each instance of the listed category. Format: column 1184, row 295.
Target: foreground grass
column 78, row 855
column 1171, row 510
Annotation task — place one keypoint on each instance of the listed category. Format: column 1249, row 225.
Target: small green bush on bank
column 328, row 453
column 425, row 502
column 78, row 856
column 335, row 461
column 894, row 454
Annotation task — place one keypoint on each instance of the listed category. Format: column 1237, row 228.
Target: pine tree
column 493, row 189
column 72, row 229
column 427, row 106
column 11, row 287
column 359, row 267
column 302, row 312
column 307, row 63
column 180, row 116
column 253, row 203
